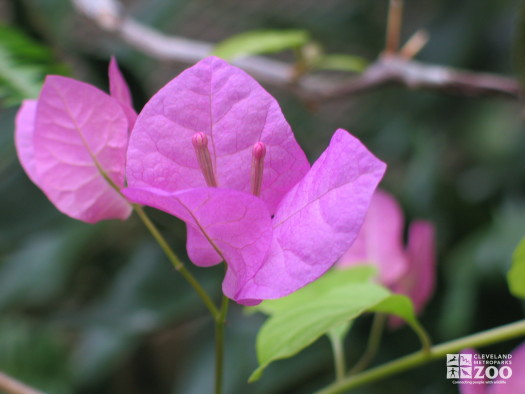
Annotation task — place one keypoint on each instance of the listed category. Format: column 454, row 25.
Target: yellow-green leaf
column 338, row 62
column 516, row 274
column 332, row 279
column 258, row 42
column 326, row 306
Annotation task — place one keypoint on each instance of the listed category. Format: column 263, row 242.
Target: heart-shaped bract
column 72, row 143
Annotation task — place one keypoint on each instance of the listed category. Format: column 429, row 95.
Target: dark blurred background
column 97, row 309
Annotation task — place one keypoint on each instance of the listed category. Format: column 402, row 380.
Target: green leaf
column 24, row 64
column 339, row 332
column 516, row 274
column 260, row 42
column 402, row 306
column 332, row 279
column 326, row 306
column 338, row 62
column 288, row 332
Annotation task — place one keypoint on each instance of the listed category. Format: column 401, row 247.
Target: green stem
column 423, row 336
column 374, row 340
column 219, row 344
column 177, row 264
column 484, row 338
column 218, row 315
column 339, row 356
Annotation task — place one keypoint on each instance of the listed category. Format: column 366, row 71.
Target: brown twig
column 414, row 44
column 417, row 75
column 10, row 385
column 393, row 28
column 393, row 68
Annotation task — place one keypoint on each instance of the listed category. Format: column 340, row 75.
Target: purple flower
column 419, row 279
column 72, row 143
column 409, row 270
column 118, row 89
column 213, row 148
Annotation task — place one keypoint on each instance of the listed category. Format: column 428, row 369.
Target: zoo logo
column 459, row 366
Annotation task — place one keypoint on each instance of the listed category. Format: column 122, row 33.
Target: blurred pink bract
column 409, row 271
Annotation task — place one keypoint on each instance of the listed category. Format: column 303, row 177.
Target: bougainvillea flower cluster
column 406, row 270
column 213, row 148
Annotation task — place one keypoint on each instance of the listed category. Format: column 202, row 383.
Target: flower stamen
column 200, row 143
column 258, row 153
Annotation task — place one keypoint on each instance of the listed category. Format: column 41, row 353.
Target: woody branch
column 393, row 67
column 10, row 385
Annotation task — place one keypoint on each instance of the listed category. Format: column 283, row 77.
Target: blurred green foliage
column 341, row 62
column 516, row 275
column 258, row 42
column 24, row 63
column 97, row 309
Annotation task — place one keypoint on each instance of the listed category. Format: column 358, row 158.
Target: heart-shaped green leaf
column 322, row 307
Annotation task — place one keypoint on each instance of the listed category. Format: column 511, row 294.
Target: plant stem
column 10, row 385
column 339, row 356
column 376, row 332
column 414, row 45
column 218, row 315
column 219, row 344
column 421, row 357
column 177, row 264
column 172, row 257
column 423, row 337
